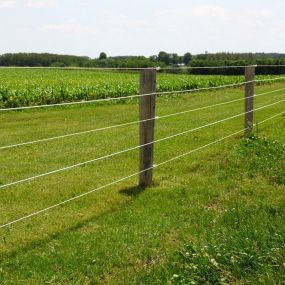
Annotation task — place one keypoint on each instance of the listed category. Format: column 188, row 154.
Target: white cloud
column 7, row 3
column 215, row 15
column 120, row 29
column 42, row 3
column 29, row 3
column 212, row 27
column 216, row 27
column 71, row 28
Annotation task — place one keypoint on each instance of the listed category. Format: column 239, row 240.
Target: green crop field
column 25, row 87
column 213, row 217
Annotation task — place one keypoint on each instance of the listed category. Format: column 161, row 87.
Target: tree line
column 163, row 59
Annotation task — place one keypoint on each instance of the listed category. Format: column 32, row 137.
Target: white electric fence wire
column 126, row 68
column 129, row 176
column 268, row 79
column 268, row 65
column 76, row 68
column 139, row 95
column 134, row 148
column 205, row 67
column 218, row 67
column 139, row 68
column 135, row 122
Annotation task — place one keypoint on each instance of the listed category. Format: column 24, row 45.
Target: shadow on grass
column 130, row 192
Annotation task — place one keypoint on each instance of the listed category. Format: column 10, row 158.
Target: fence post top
column 254, row 65
column 151, row 68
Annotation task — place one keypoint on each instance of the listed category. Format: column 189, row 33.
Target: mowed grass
column 213, row 217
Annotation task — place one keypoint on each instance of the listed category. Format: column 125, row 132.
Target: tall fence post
column 147, row 112
column 249, row 99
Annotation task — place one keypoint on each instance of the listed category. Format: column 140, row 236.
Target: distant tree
column 164, row 57
column 187, row 58
column 153, row 58
column 174, row 58
column 102, row 56
column 162, row 60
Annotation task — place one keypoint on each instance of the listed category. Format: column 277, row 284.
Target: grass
column 215, row 217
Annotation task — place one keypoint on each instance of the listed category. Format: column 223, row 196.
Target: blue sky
column 136, row 27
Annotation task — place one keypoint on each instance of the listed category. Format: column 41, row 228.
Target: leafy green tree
column 187, row 58
column 164, row 57
column 102, row 56
column 174, row 58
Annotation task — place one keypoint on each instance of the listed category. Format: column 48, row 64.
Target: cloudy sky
column 136, row 27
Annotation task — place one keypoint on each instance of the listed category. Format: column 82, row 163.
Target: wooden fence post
column 147, row 111
column 249, row 99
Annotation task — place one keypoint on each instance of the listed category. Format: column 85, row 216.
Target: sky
column 136, row 27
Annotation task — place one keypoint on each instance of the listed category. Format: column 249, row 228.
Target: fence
column 147, row 118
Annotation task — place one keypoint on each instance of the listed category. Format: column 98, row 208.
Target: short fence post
column 249, row 99
column 147, row 112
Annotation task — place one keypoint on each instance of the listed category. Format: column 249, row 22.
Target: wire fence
column 136, row 122
column 136, row 147
column 131, row 175
column 139, row 68
column 147, row 124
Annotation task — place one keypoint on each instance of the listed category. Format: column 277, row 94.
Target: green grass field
column 213, row 217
